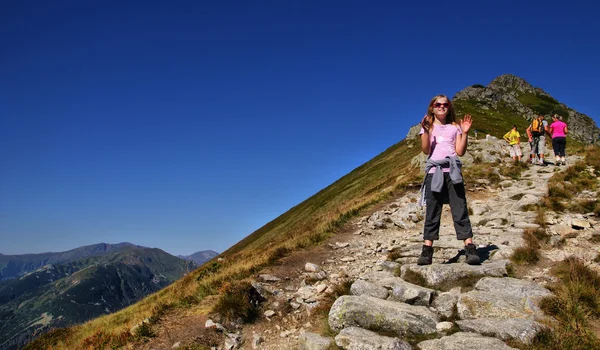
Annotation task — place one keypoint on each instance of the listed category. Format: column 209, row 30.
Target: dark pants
column 558, row 144
column 453, row 195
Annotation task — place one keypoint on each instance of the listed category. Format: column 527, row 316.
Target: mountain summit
column 510, row 95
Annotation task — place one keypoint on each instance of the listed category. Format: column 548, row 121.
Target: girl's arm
column 425, row 146
column 566, row 130
column 462, row 140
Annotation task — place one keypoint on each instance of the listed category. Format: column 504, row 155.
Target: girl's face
column 440, row 108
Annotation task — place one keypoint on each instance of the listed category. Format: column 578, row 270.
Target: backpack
column 537, row 127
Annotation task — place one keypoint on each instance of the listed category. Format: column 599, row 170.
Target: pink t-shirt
column 558, row 129
column 442, row 142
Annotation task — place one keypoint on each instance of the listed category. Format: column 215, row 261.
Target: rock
column 390, row 266
column 381, row 315
column 463, row 340
column 437, row 274
column 502, row 298
column 407, row 292
column 176, row 345
column 310, row 267
column 445, row 303
column 526, row 225
column 306, row 293
column 444, row 326
column 210, row 324
column 321, row 288
column 312, row 341
column 270, row 313
column 354, row 338
column 361, row 287
column 232, row 341
column 512, row 286
column 562, row 230
column 257, row 339
column 580, row 224
column 269, row 278
column 522, row 330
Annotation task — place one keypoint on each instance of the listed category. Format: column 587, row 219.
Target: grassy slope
column 303, row 225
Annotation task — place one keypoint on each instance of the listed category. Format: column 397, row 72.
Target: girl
column 558, row 129
column 442, row 139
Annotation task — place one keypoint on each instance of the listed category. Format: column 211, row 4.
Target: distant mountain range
column 13, row 266
column 48, row 290
column 200, row 257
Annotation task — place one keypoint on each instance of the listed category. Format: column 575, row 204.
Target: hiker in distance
column 514, row 140
column 538, row 129
column 558, row 130
column 444, row 140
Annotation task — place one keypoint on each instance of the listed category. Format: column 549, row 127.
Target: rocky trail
column 396, row 304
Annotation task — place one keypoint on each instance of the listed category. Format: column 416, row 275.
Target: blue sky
column 187, row 125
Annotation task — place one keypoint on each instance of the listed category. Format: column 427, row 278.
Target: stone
column 462, row 341
column 381, row 315
column 355, row 338
column 579, row 224
column 444, row 326
column 437, row 274
column 270, row 313
column 257, row 339
column 520, row 329
column 310, row 267
column 361, row 287
column 478, row 304
column 313, row 341
column 445, row 303
column 386, row 265
column 512, row 286
column 210, row 324
column 407, row 292
column 269, row 278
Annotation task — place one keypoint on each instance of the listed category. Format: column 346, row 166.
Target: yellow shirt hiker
column 514, row 139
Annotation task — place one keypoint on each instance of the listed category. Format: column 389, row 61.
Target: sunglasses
column 438, row 105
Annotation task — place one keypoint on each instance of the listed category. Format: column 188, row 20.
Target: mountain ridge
column 69, row 292
column 391, row 173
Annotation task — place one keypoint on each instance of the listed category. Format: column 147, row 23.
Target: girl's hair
column 450, row 117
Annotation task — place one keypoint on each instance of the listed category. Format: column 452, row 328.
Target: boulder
column 519, row 329
column 464, row 340
column 381, row 315
column 312, row 341
column 355, row 338
column 438, row 274
column 407, row 292
column 361, row 287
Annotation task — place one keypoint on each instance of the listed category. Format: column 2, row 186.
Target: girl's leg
column 460, row 212
column 433, row 213
column 431, row 228
column 462, row 224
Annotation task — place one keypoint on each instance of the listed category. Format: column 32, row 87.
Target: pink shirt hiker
column 558, row 129
column 442, row 140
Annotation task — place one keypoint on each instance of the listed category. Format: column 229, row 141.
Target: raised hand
column 425, row 124
column 465, row 123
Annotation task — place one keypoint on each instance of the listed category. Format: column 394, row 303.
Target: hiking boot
column 426, row 257
column 471, row 254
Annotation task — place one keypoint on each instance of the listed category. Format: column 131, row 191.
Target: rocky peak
column 512, row 95
column 509, row 81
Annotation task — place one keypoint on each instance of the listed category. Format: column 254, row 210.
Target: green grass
column 529, row 254
column 575, row 303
